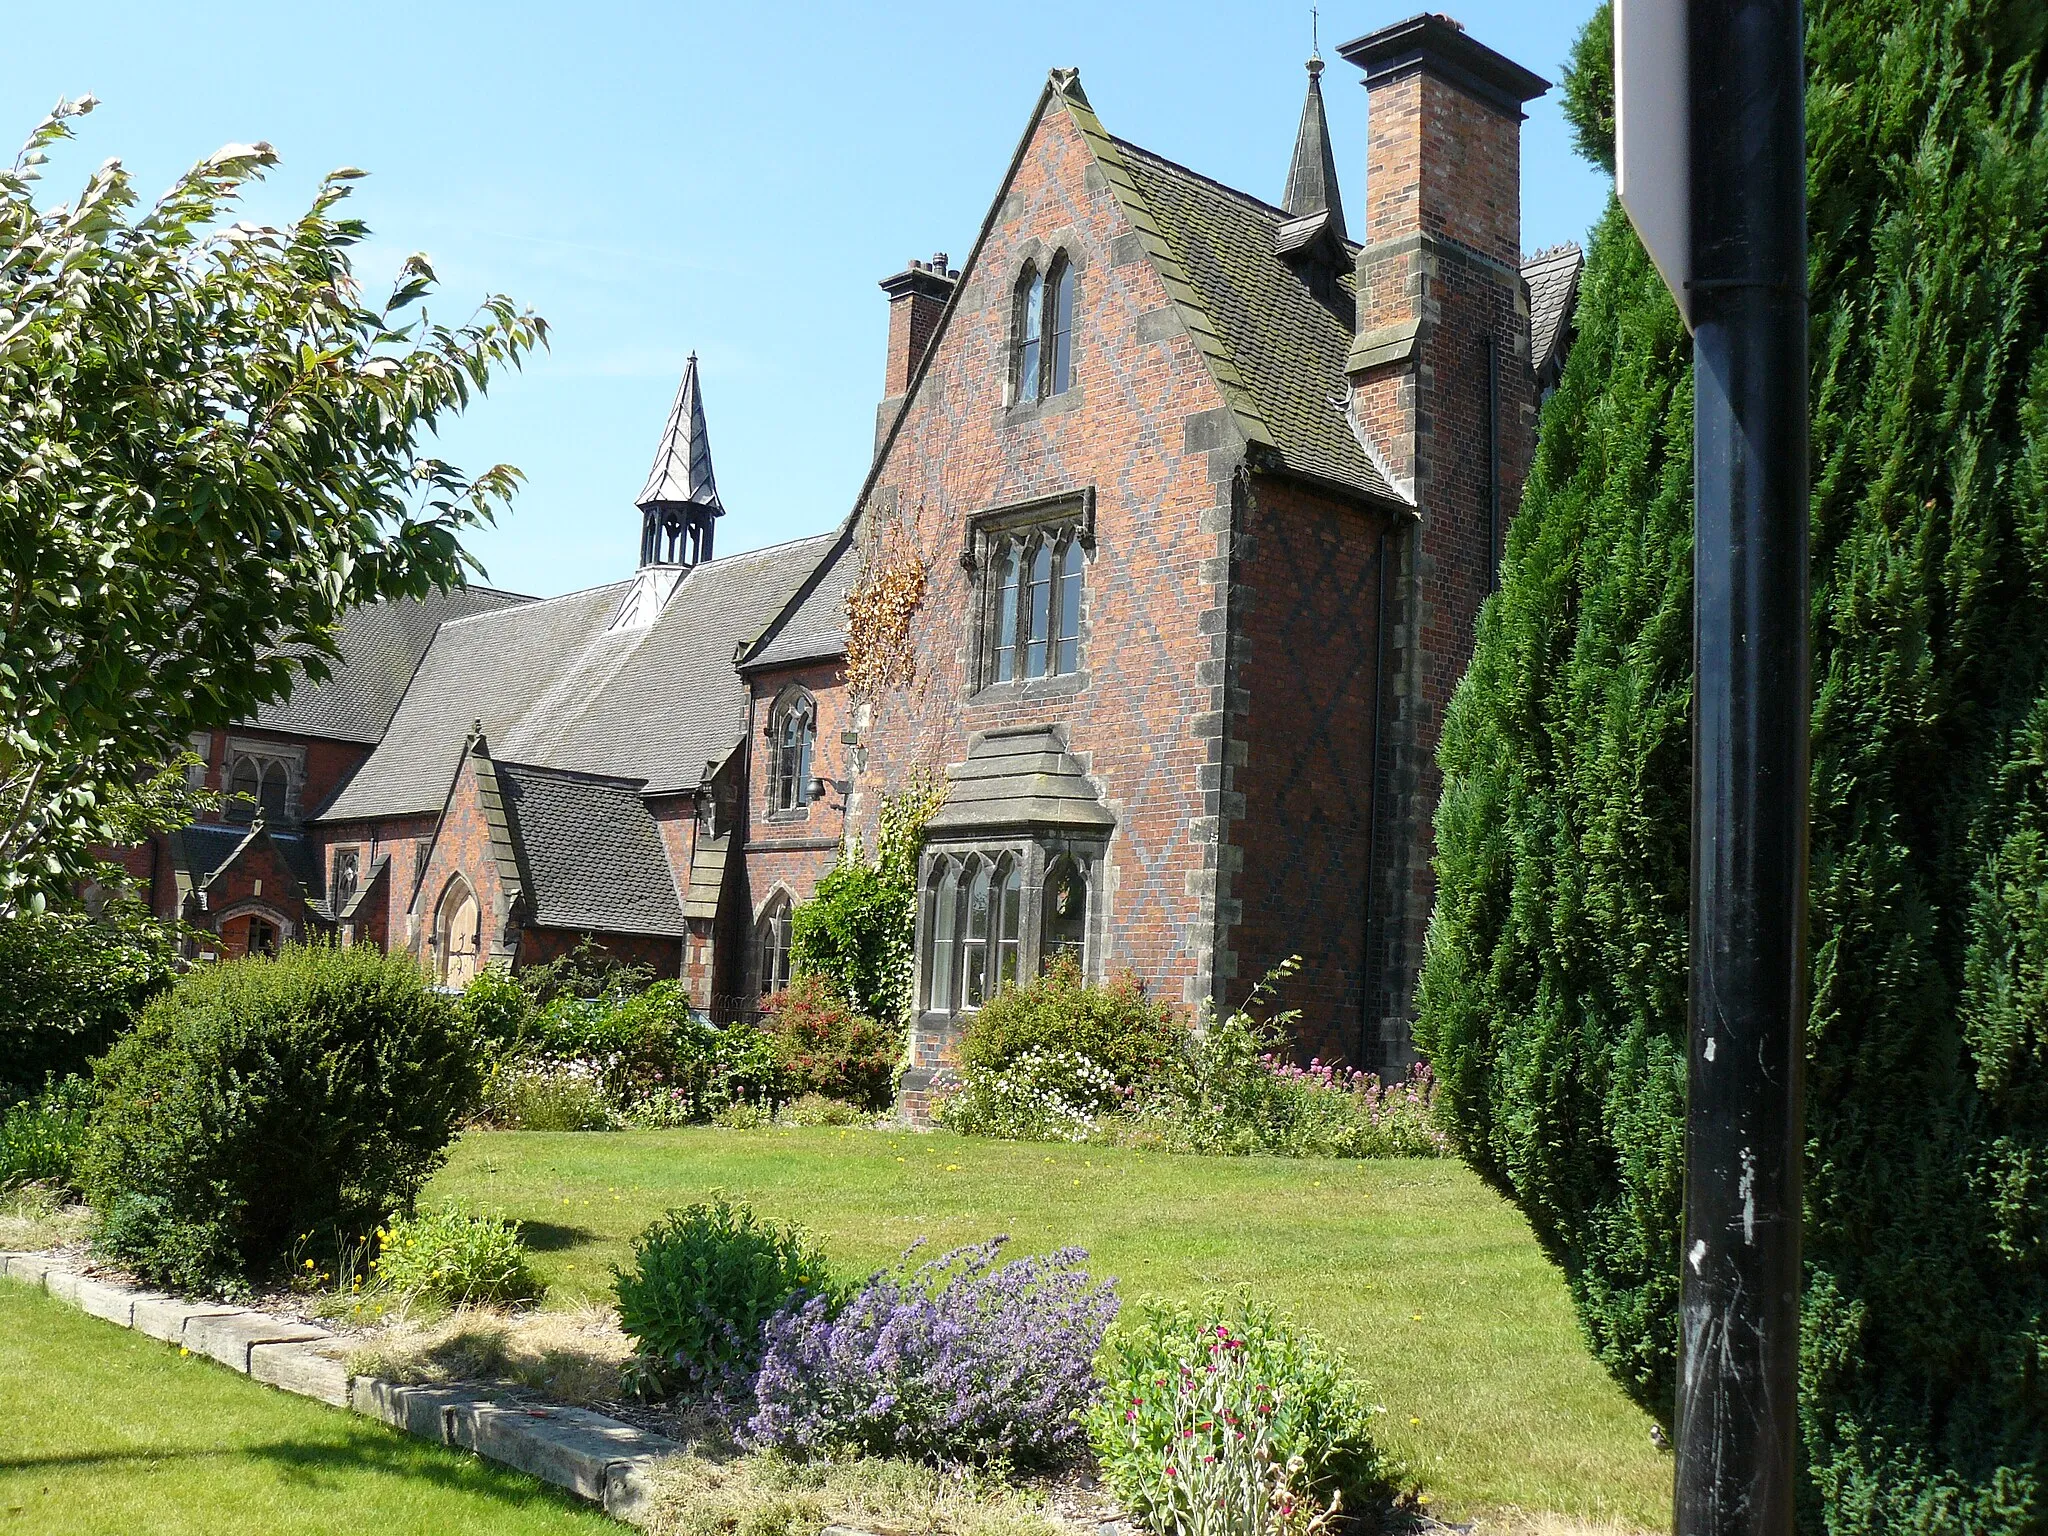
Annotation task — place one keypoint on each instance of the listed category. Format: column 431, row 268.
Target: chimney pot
column 917, row 297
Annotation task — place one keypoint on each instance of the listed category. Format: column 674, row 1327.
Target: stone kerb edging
column 594, row 1457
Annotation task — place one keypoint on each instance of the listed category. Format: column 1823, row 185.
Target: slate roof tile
column 555, row 689
column 591, row 857
column 381, row 646
column 1289, row 345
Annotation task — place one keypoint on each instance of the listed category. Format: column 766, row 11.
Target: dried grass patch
column 768, row 1495
column 573, row 1355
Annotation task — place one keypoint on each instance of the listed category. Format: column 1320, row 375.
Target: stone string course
column 592, row 1456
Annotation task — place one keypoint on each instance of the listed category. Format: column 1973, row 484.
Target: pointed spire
column 1312, row 177
column 680, row 497
column 682, row 466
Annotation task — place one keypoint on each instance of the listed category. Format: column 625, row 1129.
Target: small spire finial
column 1315, row 41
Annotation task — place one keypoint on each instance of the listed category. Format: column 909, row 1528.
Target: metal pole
column 1737, row 1450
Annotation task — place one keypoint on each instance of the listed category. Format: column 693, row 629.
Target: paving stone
column 572, row 1448
column 62, row 1283
column 110, row 1300
column 308, row 1369
column 229, row 1337
column 433, row 1413
column 164, row 1317
column 29, row 1268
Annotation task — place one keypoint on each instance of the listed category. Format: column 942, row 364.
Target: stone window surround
column 780, row 901
column 336, row 897
column 1035, row 853
column 792, row 696
column 291, row 758
column 983, row 529
column 1042, row 253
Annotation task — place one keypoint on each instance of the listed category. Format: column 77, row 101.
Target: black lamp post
column 1737, row 1420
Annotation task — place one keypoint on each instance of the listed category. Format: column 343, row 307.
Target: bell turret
column 680, row 500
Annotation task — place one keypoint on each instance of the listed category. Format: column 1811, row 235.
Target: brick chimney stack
column 917, row 297
column 1441, row 391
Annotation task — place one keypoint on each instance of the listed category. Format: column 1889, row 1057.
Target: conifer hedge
column 1553, row 994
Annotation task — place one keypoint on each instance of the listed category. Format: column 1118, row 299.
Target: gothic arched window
column 1042, row 332
column 1034, row 626
column 771, row 941
column 258, row 783
column 1065, row 927
column 942, row 895
column 1028, row 328
column 792, row 734
column 1059, row 326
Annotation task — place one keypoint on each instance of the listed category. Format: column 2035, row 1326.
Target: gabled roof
column 201, row 854
column 813, row 625
column 552, row 687
column 1286, row 343
column 1275, row 349
column 590, row 857
column 1553, row 279
column 381, row 644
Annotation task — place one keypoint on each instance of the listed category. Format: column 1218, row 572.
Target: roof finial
column 1312, row 174
column 1315, row 40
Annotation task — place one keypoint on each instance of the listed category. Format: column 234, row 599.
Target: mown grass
column 1432, row 1285
column 109, row 1433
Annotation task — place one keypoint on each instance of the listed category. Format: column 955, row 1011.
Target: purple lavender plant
column 955, row 1362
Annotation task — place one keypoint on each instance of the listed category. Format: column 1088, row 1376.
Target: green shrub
column 456, row 1257
column 499, row 1012
column 40, row 1138
column 814, row 1109
column 857, row 931
column 546, row 1096
column 1174, row 1378
column 1121, row 1031
column 69, row 985
column 744, row 1115
column 822, row 1046
column 1553, row 1000
column 703, row 1282
column 263, row 1100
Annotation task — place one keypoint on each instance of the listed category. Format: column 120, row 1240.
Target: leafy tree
column 1553, row 996
column 210, row 449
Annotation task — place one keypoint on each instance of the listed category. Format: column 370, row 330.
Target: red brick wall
column 786, row 848
column 462, row 847
column 1310, row 574
column 662, row 957
column 1444, row 229
column 1144, row 425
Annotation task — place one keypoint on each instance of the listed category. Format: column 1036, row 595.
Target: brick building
column 1206, row 496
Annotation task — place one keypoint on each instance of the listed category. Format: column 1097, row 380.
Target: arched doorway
column 457, row 934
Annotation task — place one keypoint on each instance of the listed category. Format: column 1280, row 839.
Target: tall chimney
column 917, row 297
column 1442, row 393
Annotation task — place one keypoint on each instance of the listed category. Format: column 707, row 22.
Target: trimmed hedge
column 1553, row 995
column 269, row 1109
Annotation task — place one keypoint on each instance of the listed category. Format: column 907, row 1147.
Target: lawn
column 1432, row 1284
column 106, row 1431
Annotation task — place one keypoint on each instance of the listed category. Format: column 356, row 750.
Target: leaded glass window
column 1059, row 350
column 1030, row 329
column 793, row 733
column 1034, row 621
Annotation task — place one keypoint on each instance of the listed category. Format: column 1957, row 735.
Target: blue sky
column 730, row 179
